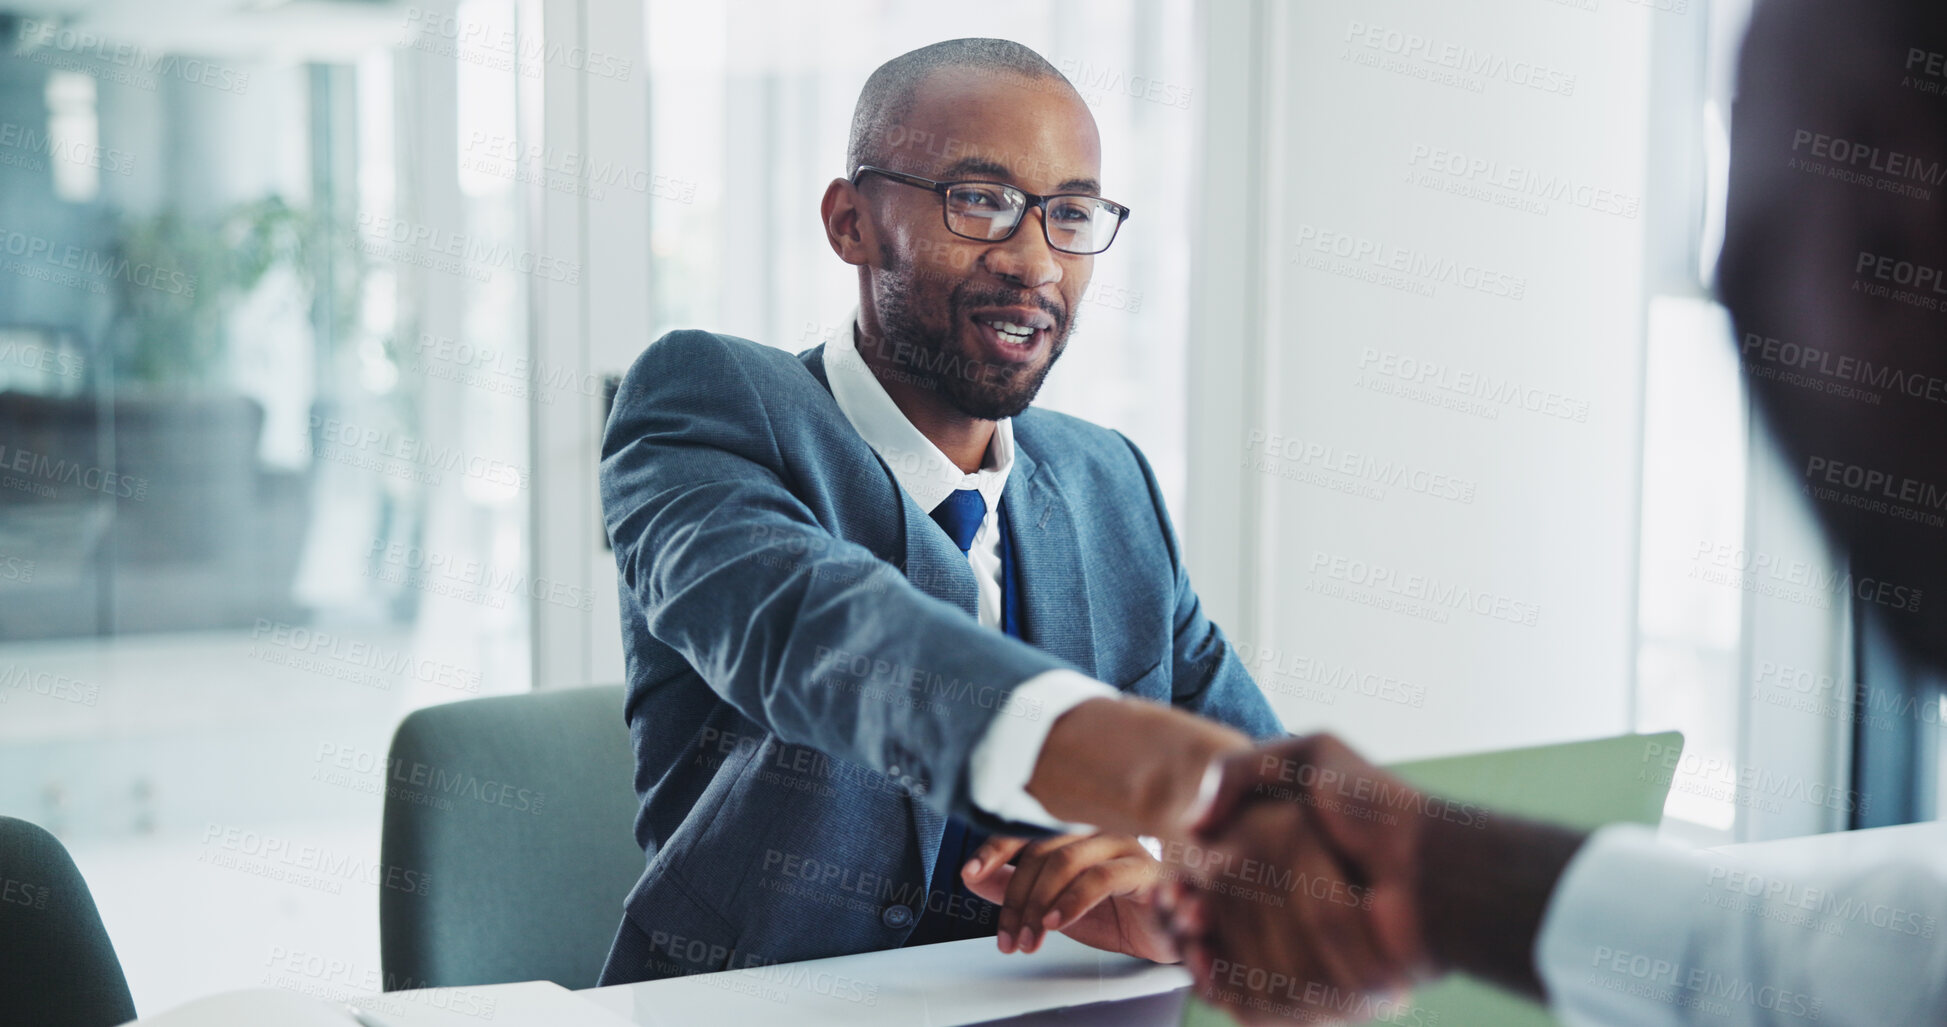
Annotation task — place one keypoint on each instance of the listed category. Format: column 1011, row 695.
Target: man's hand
column 1305, row 904
column 1098, row 889
column 1128, row 766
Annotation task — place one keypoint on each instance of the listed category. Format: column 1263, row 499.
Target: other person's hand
column 1304, row 904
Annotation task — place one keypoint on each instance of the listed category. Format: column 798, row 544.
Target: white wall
column 1450, row 291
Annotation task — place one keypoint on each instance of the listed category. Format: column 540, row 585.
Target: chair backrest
column 57, row 967
column 508, row 843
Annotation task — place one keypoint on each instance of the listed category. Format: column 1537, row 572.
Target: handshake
column 1295, row 881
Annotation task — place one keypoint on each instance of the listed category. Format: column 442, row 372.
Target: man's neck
column 963, row 439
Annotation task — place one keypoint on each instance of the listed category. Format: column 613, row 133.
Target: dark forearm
column 1483, row 889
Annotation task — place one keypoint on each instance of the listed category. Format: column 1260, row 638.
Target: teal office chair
column 508, row 842
column 57, row 968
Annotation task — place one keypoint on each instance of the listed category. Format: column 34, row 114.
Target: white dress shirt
column 1002, row 762
column 1652, row 935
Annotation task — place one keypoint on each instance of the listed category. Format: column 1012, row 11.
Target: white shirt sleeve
column 1004, row 758
column 1652, row 935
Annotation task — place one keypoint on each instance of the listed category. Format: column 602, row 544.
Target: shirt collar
column 920, row 468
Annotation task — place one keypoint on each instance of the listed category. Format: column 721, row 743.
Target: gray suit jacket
column 806, row 673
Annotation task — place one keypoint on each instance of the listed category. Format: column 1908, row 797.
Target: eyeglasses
column 991, row 211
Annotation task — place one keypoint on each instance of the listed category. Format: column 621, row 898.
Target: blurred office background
column 306, row 310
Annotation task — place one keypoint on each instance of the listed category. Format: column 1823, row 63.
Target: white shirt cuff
column 1615, row 940
column 1003, row 761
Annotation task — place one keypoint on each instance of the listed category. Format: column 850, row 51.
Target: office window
column 1743, row 618
column 265, row 476
column 750, row 103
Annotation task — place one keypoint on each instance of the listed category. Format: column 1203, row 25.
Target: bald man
column 908, row 659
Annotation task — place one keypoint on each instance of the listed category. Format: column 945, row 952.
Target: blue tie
column 960, row 514
column 957, row 915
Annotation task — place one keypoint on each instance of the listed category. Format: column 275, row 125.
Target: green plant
column 173, row 278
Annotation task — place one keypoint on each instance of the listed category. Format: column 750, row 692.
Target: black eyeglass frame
column 942, row 188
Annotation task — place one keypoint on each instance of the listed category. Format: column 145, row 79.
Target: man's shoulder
column 1064, row 441
column 695, row 351
column 695, row 366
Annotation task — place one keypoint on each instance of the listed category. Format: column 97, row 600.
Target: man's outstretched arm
column 821, row 641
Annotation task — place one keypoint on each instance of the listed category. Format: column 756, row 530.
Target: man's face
column 951, row 308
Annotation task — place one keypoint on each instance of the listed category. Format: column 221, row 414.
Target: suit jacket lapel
column 1050, row 573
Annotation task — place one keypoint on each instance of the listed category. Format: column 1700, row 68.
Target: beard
column 937, row 359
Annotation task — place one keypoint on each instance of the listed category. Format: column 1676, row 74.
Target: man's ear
column 848, row 224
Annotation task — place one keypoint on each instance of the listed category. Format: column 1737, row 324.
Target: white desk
column 970, row 982
column 961, row 982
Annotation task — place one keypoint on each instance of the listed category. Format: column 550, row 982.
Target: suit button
column 892, row 771
column 896, row 917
